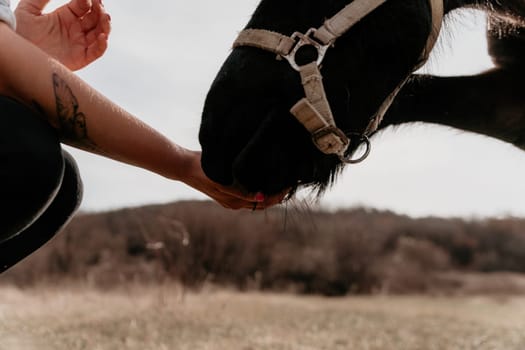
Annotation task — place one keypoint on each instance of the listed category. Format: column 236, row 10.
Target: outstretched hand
column 76, row 33
column 228, row 197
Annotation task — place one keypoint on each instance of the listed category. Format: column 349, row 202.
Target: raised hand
column 76, row 33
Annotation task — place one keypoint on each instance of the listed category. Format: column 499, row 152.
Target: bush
column 306, row 251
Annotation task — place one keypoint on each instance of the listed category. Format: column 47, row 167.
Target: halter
column 313, row 111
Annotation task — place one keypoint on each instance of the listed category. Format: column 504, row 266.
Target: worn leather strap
column 309, row 116
column 345, row 19
column 334, row 28
column 326, row 136
column 314, row 111
column 312, row 81
column 315, row 114
column 266, row 40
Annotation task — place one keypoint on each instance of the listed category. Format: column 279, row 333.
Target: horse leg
column 31, row 166
column 491, row 103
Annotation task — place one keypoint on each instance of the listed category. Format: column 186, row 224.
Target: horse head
column 248, row 135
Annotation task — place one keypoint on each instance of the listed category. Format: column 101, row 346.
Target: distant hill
column 282, row 249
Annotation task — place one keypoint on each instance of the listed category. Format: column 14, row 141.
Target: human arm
column 75, row 34
column 86, row 119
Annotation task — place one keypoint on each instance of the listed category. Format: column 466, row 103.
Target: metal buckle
column 331, row 140
column 305, row 40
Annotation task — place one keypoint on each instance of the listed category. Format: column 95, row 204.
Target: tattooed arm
column 86, row 119
column 83, row 117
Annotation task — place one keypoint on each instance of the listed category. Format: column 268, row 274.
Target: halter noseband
column 314, row 111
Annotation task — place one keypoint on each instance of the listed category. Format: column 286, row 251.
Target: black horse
column 250, row 139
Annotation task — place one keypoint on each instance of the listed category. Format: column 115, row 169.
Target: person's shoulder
column 6, row 14
column 6, row 3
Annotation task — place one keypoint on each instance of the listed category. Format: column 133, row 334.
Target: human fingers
column 228, row 196
column 266, row 202
column 256, row 201
column 97, row 48
column 276, row 199
column 34, row 7
column 237, row 193
column 236, row 204
column 79, row 7
column 97, row 20
column 103, row 27
column 233, row 204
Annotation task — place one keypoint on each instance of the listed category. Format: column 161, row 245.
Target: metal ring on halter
column 306, row 40
column 347, row 159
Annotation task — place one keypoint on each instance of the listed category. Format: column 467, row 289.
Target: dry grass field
column 144, row 318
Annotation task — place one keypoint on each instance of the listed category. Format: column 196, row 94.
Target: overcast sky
column 163, row 56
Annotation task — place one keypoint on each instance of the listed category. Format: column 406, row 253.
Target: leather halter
column 314, row 111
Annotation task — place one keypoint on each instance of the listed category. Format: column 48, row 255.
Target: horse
column 364, row 80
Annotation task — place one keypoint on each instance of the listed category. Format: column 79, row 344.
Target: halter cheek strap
column 313, row 111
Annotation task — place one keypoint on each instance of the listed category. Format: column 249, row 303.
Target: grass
column 165, row 318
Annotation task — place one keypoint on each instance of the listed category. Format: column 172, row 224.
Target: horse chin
column 257, row 168
column 274, row 166
column 271, row 166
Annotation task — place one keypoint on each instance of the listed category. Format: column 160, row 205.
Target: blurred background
column 429, row 200
column 423, row 244
column 163, row 57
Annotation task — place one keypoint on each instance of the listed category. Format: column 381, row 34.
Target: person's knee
column 54, row 218
column 32, row 166
column 72, row 185
column 38, row 165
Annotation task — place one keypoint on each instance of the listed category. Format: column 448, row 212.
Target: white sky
column 164, row 55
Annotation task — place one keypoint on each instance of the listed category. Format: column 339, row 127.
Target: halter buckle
column 306, row 40
column 331, row 140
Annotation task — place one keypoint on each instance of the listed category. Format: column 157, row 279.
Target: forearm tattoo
column 72, row 123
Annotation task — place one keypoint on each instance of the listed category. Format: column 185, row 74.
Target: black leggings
column 40, row 186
